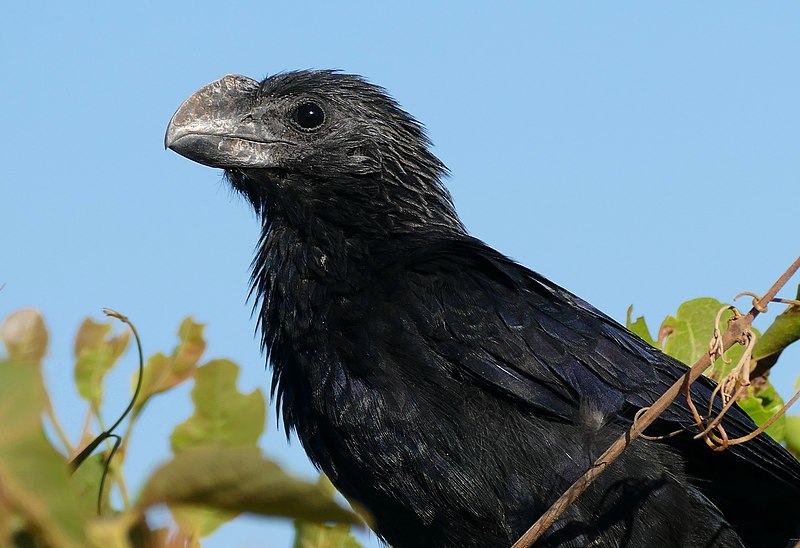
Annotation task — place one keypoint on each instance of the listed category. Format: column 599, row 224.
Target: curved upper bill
column 219, row 126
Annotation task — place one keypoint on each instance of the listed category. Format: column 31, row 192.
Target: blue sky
column 633, row 152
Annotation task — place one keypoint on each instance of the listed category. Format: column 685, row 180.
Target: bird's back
column 405, row 403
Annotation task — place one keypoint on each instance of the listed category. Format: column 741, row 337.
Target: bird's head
column 318, row 144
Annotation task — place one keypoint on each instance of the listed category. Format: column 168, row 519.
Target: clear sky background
column 634, row 152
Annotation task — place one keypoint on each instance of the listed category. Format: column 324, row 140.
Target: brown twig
column 736, row 330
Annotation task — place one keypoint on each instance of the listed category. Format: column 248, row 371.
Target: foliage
column 686, row 335
column 217, row 471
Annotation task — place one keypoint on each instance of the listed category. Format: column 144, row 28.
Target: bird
column 446, row 389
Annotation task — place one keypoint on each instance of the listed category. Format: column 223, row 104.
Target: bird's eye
column 309, row 116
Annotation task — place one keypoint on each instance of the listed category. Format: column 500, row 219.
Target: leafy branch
column 217, row 472
column 108, row 433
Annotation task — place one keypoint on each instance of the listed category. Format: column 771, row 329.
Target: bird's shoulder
column 510, row 328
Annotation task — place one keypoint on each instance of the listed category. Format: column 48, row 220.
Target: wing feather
column 517, row 333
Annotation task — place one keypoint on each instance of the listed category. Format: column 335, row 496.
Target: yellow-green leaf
column 156, row 371
column 90, row 336
column 33, row 475
column 323, row 535
column 639, row 327
column 191, row 347
column 687, row 334
column 784, row 331
column 222, row 415
column 95, row 355
column 162, row 372
column 240, row 479
column 689, row 331
column 86, row 482
column 792, row 434
column 201, row 521
column 115, row 532
column 25, row 336
column 761, row 404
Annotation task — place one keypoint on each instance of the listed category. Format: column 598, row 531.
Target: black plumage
column 447, row 389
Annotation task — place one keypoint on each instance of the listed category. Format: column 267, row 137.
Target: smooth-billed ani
column 452, row 392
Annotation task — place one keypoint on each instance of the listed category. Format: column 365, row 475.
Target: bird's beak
column 218, row 126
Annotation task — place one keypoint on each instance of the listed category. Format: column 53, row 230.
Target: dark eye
column 309, row 116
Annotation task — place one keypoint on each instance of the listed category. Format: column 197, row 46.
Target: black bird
column 450, row 391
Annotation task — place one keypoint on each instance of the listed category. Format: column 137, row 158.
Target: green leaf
column 239, row 479
column 25, row 336
column 639, row 327
column 95, row 355
column 223, row 415
column 687, row 334
column 792, row 434
column 689, row 331
column 86, row 482
column 761, row 404
column 156, row 370
column 162, row 372
column 201, row 521
column 191, row 346
column 22, row 401
column 33, row 475
column 323, row 535
column 118, row 531
column 784, row 331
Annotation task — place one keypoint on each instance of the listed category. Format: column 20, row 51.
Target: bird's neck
column 301, row 264
column 296, row 275
column 320, row 247
column 305, row 272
